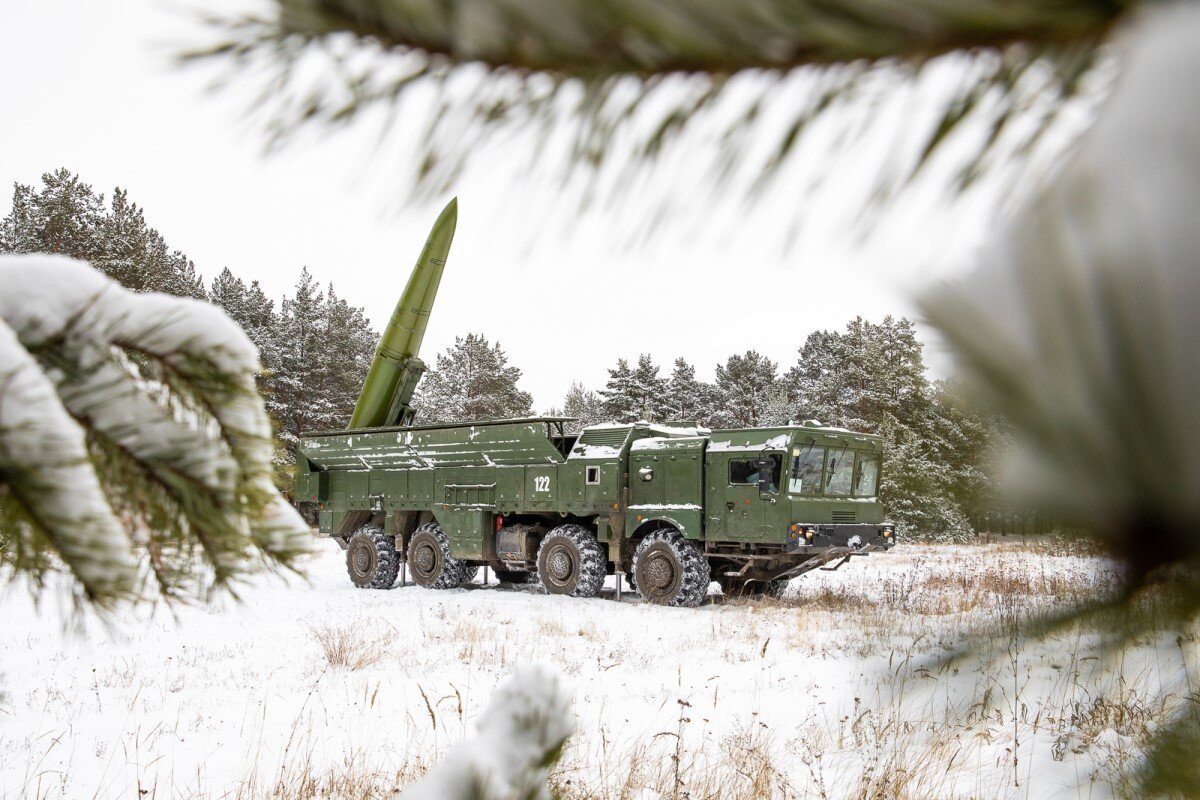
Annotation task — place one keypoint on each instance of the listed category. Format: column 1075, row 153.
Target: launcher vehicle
column 668, row 507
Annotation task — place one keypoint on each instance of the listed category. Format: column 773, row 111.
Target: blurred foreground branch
column 614, row 84
column 133, row 444
column 1080, row 328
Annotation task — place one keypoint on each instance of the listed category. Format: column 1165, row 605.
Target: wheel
column 670, row 570
column 371, row 558
column 571, row 561
column 430, row 562
column 516, row 576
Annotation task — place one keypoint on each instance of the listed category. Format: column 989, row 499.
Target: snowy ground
column 324, row 690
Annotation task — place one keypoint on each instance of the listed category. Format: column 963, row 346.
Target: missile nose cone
column 447, row 221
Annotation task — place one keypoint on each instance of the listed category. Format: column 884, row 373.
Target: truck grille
column 844, row 516
column 605, row 437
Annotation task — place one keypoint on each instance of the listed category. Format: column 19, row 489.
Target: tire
column 670, row 570
column 429, row 560
column 371, row 558
column 514, row 576
column 571, row 561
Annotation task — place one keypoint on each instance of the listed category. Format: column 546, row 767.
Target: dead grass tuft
column 354, row 647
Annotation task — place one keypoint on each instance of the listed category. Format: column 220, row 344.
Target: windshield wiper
column 833, row 462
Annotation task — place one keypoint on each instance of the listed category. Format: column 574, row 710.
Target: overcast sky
column 88, row 85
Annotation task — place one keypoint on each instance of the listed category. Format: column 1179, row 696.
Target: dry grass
column 354, row 647
column 357, row 776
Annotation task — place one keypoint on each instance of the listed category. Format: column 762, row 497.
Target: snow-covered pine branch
column 520, row 737
column 130, row 426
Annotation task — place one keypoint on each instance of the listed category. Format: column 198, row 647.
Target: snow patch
column 519, row 737
column 740, row 445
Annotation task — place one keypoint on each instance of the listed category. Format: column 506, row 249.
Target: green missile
column 386, row 397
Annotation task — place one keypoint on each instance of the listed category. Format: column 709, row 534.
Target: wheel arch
column 686, row 527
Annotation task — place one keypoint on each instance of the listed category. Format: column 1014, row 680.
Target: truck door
column 733, row 482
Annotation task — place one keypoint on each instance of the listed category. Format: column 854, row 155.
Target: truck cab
column 805, row 486
column 765, row 503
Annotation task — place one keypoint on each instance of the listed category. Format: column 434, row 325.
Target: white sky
column 88, row 85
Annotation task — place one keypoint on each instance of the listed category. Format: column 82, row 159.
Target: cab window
column 867, row 484
column 806, row 470
column 746, row 471
column 839, row 472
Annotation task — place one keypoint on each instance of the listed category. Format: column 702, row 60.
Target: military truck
column 669, row 508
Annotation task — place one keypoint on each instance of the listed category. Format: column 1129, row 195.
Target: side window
column 868, row 477
column 746, row 471
column 839, row 472
column 806, row 470
column 592, row 476
column 740, row 470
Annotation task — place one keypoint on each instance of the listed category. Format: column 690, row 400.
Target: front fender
column 687, row 519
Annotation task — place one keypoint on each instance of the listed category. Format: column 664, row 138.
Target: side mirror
column 766, row 467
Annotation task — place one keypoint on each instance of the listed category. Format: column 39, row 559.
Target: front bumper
column 852, row 536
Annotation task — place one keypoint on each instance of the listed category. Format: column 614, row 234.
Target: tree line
column 314, row 346
column 315, row 349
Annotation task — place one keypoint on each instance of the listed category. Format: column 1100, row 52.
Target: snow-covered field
column 322, row 690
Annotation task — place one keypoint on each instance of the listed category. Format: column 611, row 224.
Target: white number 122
column 541, row 483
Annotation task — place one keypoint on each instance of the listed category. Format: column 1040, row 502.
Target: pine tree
column 745, row 391
column 650, row 391
column 229, row 292
column 255, row 313
column 65, row 217
column 863, row 377
column 126, row 238
column 583, row 404
column 301, row 350
column 687, row 399
column 871, row 377
column 19, row 231
column 345, row 332
column 618, row 395
column 261, row 323
column 472, row 380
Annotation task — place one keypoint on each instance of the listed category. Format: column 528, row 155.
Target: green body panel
column 387, row 392
column 667, row 484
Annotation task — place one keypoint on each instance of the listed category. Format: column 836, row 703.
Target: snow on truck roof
column 437, row 425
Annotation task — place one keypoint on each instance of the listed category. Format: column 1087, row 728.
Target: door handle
column 729, row 506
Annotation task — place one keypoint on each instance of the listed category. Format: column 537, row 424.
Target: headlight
column 809, row 533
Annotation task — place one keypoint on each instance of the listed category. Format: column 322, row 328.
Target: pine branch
column 130, row 426
column 620, row 81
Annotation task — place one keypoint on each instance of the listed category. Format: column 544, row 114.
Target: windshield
column 806, row 470
column 868, row 477
column 839, row 472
